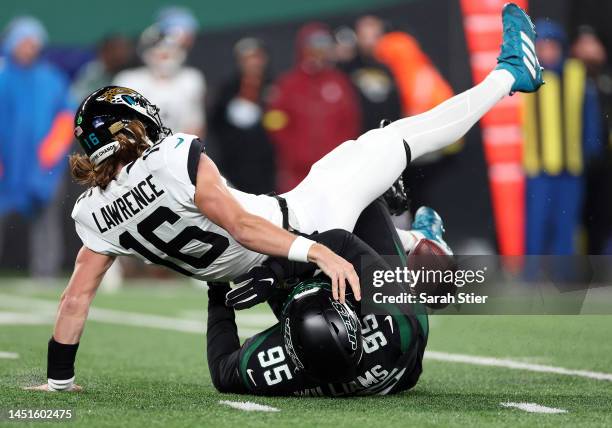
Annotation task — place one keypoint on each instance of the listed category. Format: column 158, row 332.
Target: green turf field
column 142, row 363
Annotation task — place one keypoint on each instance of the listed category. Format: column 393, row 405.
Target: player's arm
column 222, row 343
column 89, row 269
column 215, row 201
column 259, row 366
column 259, row 283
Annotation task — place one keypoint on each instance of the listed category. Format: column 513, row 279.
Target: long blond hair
column 132, row 141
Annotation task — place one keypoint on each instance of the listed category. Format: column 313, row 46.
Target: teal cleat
column 518, row 54
column 429, row 223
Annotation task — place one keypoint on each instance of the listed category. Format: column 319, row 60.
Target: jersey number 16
column 146, row 228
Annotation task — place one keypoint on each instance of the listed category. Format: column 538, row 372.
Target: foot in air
column 428, row 222
column 518, row 50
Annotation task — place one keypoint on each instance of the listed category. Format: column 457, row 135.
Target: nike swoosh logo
column 180, row 142
column 388, row 318
column 250, row 373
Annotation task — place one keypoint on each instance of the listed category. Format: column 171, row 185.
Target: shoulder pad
column 80, row 201
column 188, row 149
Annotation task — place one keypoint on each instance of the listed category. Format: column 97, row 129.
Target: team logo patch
column 97, row 122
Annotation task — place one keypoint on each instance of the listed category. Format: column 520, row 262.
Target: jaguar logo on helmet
column 116, row 96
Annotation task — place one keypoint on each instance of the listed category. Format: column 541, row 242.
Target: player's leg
column 376, row 229
column 344, row 182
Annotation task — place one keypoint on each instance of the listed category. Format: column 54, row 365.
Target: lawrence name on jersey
column 149, row 212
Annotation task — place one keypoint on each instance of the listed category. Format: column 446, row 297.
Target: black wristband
column 60, row 360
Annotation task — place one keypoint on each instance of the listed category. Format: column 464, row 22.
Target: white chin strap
column 108, row 150
column 104, row 152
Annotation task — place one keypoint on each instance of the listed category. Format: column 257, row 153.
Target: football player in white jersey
column 158, row 196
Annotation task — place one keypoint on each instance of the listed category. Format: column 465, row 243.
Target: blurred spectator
column 346, row 44
column 35, row 135
column 312, row 109
column 179, row 22
column 421, row 85
column 114, row 53
column 597, row 125
column 557, row 145
column 378, row 95
column 164, row 80
column 247, row 156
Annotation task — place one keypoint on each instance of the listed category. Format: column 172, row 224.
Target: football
column 435, row 264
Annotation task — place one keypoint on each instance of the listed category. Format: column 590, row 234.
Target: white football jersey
column 149, row 212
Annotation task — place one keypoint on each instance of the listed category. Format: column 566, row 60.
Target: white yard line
column 533, row 408
column 9, row 355
column 245, row 318
column 512, row 364
column 111, row 316
column 249, row 406
column 21, row 318
column 47, row 308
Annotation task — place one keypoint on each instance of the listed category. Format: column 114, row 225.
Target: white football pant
column 345, row 181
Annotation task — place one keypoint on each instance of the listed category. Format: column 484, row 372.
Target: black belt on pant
column 282, row 203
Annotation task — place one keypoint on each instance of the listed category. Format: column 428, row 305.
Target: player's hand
column 337, row 269
column 45, row 387
column 253, row 287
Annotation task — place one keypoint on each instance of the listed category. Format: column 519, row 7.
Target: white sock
column 449, row 121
